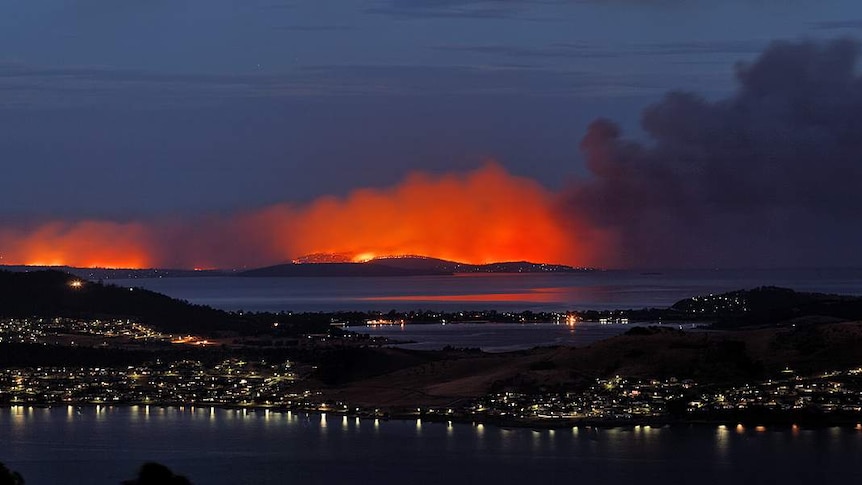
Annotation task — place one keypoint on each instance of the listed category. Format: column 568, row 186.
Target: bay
column 106, row 445
column 599, row 290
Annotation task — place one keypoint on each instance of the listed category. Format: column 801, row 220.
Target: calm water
column 494, row 337
column 551, row 292
column 60, row 446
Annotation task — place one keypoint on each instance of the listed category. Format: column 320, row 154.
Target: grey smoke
column 770, row 176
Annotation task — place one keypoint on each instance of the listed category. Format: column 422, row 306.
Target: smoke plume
column 769, row 176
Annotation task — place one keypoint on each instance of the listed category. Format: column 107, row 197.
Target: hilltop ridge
column 409, row 265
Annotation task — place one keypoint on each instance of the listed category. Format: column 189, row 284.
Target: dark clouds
column 769, row 176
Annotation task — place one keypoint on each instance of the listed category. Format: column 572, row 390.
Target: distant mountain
column 369, row 268
column 333, row 265
column 421, row 262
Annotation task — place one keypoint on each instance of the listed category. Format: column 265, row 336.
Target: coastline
column 738, row 423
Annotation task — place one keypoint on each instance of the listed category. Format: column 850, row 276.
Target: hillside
column 654, row 352
column 369, row 268
column 770, row 306
column 54, row 293
column 398, row 266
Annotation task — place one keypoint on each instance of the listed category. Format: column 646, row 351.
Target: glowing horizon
column 486, row 215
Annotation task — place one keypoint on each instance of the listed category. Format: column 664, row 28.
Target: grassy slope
column 706, row 357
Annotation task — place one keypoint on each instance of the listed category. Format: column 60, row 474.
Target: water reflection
column 722, row 442
column 18, row 416
column 315, row 442
column 593, row 290
column 532, row 295
column 536, row 442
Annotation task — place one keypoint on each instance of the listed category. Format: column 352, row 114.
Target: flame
column 361, row 258
column 482, row 216
column 485, row 216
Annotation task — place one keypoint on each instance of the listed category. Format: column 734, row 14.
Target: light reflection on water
column 538, row 292
column 214, row 446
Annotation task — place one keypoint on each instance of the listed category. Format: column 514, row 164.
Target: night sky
column 657, row 133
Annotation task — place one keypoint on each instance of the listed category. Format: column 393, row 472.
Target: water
column 537, row 292
column 495, row 337
column 106, row 446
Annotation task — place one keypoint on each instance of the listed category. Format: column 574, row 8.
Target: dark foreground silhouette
column 157, row 474
column 8, row 477
column 149, row 474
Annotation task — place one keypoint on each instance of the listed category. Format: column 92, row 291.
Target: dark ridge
column 403, row 266
column 51, row 293
column 770, row 305
column 337, row 269
column 96, row 274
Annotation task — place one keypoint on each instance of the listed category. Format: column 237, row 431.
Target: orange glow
column 487, row 215
column 87, row 244
column 482, row 216
column 361, row 258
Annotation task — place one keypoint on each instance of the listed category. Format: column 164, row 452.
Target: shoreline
column 537, row 424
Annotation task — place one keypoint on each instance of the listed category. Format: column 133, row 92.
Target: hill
column 369, row 268
column 425, row 263
column 649, row 353
column 54, row 293
column 770, row 306
column 117, row 273
column 398, row 266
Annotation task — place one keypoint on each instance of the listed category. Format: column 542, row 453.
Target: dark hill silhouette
column 402, row 266
column 434, row 264
column 370, row 268
column 53, row 293
column 9, row 477
column 771, row 305
column 152, row 473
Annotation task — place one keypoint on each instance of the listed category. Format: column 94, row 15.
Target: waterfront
column 105, row 445
column 597, row 290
